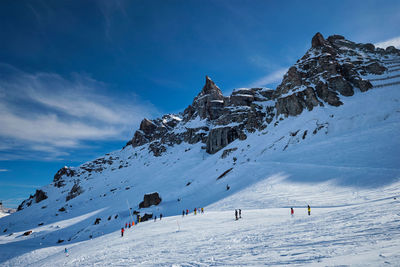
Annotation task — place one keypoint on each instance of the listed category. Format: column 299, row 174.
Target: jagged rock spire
column 318, row 40
column 210, row 88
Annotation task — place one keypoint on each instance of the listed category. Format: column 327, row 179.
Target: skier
column 183, row 213
column 129, row 225
column 236, row 215
column 291, row 211
column 66, row 252
column 122, row 231
column 160, row 216
column 133, row 223
column 187, row 211
column 240, row 213
column 155, row 218
column 202, row 210
column 309, row 210
column 195, row 211
column 126, row 225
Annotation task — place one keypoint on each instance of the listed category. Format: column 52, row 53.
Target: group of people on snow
column 308, row 211
column 195, row 211
column 128, row 224
column 238, row 214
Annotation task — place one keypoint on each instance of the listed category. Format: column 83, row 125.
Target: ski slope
column 364, row 232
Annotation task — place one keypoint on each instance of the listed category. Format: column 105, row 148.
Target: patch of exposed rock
column 150, row 200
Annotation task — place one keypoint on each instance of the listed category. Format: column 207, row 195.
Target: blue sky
column 77, row 77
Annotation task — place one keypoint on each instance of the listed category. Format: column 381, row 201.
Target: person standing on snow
column 240, row 213
column 195, row 211
column 236, row 215
column 160, row 216
column 155, row 218
column 183, row 213
column 309, row 210
column 202, row 210
column 291, row 211
column 122, row 231
column 187, row 211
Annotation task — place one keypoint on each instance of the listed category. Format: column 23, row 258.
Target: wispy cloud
column 271, row 78
column 19, row 185
column 391, row 42
column 3, row 170
column 46, row 112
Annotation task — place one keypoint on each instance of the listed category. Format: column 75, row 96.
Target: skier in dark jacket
column 155, row 218
column 240, row 213
column 183, row 213
column 236, row 215
column 160, row 216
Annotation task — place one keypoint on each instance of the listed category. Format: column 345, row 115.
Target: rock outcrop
column 149, row 200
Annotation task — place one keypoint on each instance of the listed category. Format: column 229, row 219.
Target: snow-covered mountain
column 326, row 136
column 5, row 211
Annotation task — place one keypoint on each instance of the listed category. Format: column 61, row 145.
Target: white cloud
column 273, row 77
column 391, row 42
column 46, row 112
column 3, row 170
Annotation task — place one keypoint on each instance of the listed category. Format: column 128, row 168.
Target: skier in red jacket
column 291, row 211
column 122, row 231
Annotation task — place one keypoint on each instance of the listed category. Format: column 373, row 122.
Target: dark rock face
column 58, row 177
column 76, row 190
column 220, row 137
column 146, row 217
column 149, row 200
column 39, row 196
column 318, row 40
column 209, row 102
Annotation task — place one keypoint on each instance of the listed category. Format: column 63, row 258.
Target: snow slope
column 363, row 232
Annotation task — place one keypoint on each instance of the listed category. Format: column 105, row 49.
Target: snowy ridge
column 340, row 159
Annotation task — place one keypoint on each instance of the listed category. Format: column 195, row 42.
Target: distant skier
column 236, row 215
column 155, row 218
column 202, row 210
column 122, row 231
column 227, row 187
column 240, row 213
column 195, row 211
column 160, row 216
column 187, row 211
column 66, row 252
column 183, row 213
column 126, row 225
column 309, row 210
column 129, row 225
column 291, row 211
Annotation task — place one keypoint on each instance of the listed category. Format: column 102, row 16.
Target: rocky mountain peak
column 210, row 88
column 331, row 69
column 318, row 40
